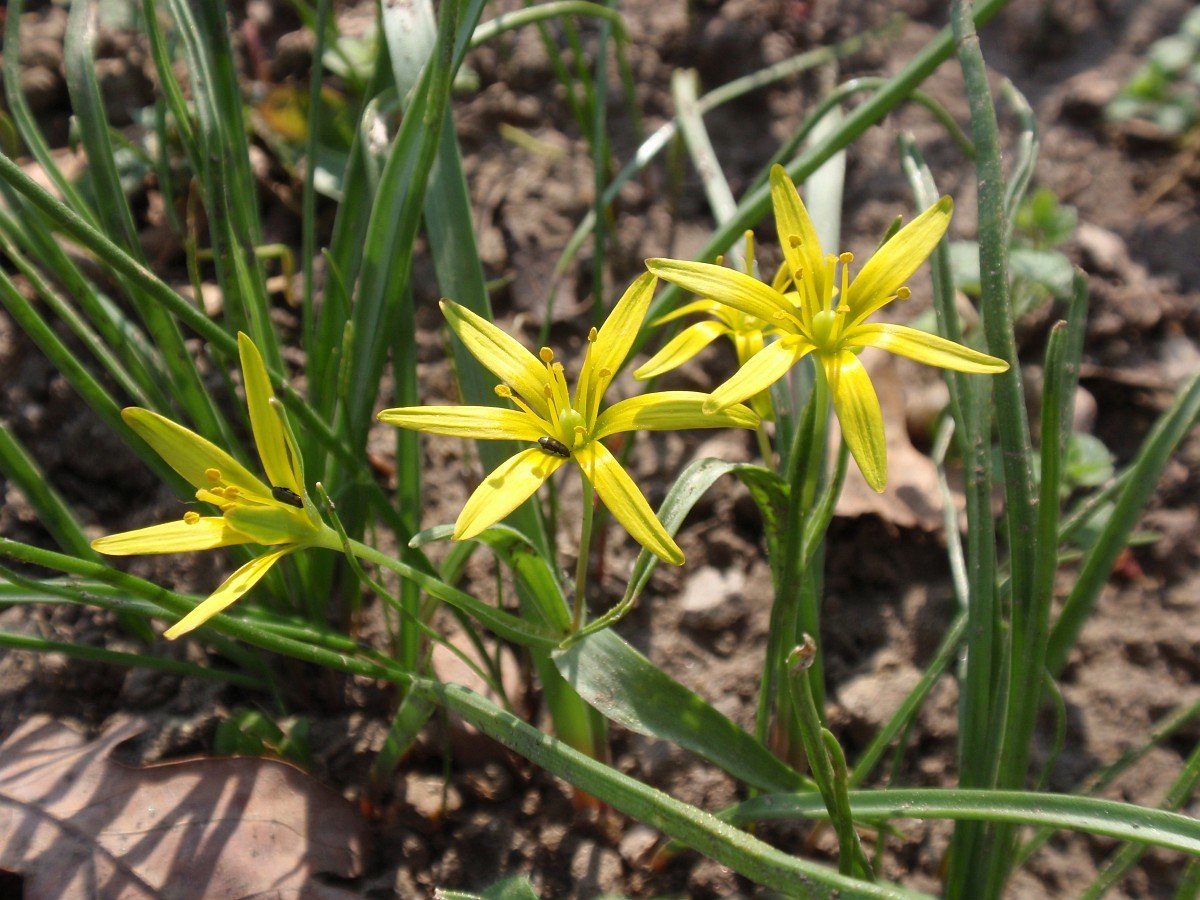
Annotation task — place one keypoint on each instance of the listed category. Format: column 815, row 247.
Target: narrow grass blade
column 1111, row 818
column 1147, row 467
column 54, row 513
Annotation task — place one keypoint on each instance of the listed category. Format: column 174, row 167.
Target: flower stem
column 765, row 450
column 579, row 610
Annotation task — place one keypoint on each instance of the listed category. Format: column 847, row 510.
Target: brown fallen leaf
column 76, row 823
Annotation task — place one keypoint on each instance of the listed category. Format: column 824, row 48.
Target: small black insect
column 558, row 448
column 288, row 496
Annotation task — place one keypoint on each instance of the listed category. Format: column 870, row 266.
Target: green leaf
column 1107, row 817
column 633, row 692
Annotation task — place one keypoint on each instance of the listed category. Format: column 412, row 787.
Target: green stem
column 765, row 450
column 831, row 782
column 579, row 608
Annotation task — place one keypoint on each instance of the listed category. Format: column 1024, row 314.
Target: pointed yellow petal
column 727, row 286
column 206, row 533
column 508, row 486
column 234, row 587
column 681, row 348
column 502, row 354
column 607, row 352
column 189, row 454
column 897, row 259
column 763, row 370
column 858, row 413
column 925, row 348
column 696, row 306
column 669, row 411
column 480, row 422
column 626, row 503
column 797, row 236
column 264, row 421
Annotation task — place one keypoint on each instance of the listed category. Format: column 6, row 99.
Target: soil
column 461, row 812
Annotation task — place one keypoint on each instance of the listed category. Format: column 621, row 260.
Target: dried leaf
column 76, row 823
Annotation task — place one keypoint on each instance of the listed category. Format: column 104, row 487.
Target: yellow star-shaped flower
column 834, row 332
column 563, row 427
column 279, row 514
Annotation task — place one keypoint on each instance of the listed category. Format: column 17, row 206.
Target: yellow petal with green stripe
column 623, row 499
column 607, row 352
column 792, row 221
column 189, row 454
column 726, row 286
column 696, row 306
column 669, row 411
column 681, row 348
column 234, row 587
column 265, row 421
column 500, row 353
column 206, row 533
column 926, row 348
column 477, row 422
column 508, row 486
column 858, row 412
column 763, row 370
column 897, row 259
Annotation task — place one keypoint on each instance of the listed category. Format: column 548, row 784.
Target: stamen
column 846, row 257
column 548, row 391
column 720, row 259
column 231, row 492
column 845, row 276
column 592, row 334
column 604, row 372
column 903, row 293
column 212, row 474
column 218, row 491
column 191, row 517
column 794, row 241
column 748, row 237
column 547, row 355
column 503, row 390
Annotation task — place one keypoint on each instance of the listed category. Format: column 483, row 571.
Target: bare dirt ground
column 888, row 597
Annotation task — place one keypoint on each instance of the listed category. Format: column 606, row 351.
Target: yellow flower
column 276, row 514
column 835, row 334
column 748, row 333
column 561, row 427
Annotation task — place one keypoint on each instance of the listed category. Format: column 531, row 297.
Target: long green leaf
column 1107, row 817
column 633, row 692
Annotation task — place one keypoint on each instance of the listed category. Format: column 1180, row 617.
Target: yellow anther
column 548, row 391
column 547, row 355
column 604, row 372
column 231, row 492
column 218, row 492
column 503, row 390
column 846, row 257
column 798, row 276
column 592, row 333
column 191, row 517
column 212, row 474
column 720, row 259
column 558, row 368
column 903, row 293
column 794, row 241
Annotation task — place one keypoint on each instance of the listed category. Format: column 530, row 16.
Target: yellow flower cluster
column 811, row 307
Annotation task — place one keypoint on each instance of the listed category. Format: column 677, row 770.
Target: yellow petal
column 264, row 420
column 508, row 486
column 696, row 306
column 897, row 259
column 925, row 348
column 189, row 454
column 681, row 348
column 234, row 587
column 669, row 411
column 479, row 422
column 626, row 503
column 858, row 413
column 502, row 354
column 792, row 221
column 206, row 533
column 727, row 286
column 763, row 370
column 607, row 352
